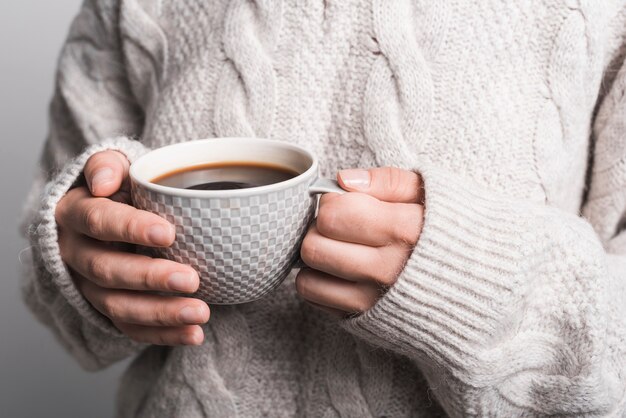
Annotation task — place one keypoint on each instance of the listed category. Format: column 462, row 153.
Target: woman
column 461, row 281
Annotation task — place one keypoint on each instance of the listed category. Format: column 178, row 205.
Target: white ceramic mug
column 242, row 242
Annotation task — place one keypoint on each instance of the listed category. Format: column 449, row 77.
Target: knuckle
column 378, row 271
column 132, row 229
column 368, row 296
column 98, row 269
column 160, row 338
column 394, row 183
column 309, row 250
column 407, row 233
column 390, row 270
column 407, row 228
column 301, row 285
column 402, row 234
column 361, row 304
column 149, row 278
column 62, row 209
column 162, row 316
column 356, row 306
column 94, row 220
column 327, row 221
column 388, row 276
column 110, row 306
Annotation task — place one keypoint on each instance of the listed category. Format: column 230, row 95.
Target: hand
column 361, row 241
column 95, row 226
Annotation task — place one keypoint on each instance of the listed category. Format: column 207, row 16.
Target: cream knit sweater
column 514, row 112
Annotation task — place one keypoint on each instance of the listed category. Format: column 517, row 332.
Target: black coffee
column 225, row 176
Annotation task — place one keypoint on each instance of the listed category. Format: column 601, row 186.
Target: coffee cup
column 242, row 242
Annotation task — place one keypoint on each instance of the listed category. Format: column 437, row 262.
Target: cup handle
column 322, row 185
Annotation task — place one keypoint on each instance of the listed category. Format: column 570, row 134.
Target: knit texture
column 514, row 113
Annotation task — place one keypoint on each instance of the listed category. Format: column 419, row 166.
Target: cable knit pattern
column 570, row 65
column 511, row 304
column 398, row 95
column 145, row 50
column 250, row 31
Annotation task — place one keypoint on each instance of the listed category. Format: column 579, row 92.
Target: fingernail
column 190, row 315
column 355, row 179
column 160, row 234
column 181, row 282
column 102, row 177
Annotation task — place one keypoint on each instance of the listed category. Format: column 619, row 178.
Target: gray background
column 37, row 378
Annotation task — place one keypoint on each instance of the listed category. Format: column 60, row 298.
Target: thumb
column 105, row 172
column 388, row 184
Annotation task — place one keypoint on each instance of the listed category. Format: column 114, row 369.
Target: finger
column 141, row 308
column 387, row 183
column 185, row 335
column 334, row 312
column 109, row 268
column 363, row 219
column 105, row 172
column 105, row 220
column 326, row 290
column 354, row 262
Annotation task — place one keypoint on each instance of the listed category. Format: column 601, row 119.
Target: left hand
column 361, row 241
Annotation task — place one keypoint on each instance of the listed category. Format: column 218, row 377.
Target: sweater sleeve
column 512, row 308
column 90, row 109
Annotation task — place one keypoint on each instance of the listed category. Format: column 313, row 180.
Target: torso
column 502, row 92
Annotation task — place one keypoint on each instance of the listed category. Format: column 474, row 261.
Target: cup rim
column 178, row 192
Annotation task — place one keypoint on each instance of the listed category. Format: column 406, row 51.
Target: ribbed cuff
column 451, row 298
column 46, row 234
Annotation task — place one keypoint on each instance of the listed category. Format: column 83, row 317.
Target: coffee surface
column 225, row 176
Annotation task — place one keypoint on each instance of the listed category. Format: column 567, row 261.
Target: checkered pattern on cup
column 243, row 243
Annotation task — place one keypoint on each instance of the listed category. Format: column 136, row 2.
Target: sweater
column 513, row 302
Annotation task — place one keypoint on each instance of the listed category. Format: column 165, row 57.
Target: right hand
column 96, row 224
